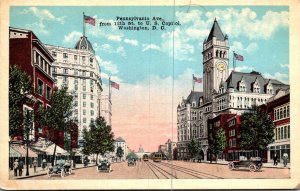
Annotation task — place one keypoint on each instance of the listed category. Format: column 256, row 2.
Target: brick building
column 30, row 54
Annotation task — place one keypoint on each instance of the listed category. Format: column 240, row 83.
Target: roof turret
column 84, row 44
column 216, row 32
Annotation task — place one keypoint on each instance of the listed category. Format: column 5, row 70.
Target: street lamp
column 28, row 132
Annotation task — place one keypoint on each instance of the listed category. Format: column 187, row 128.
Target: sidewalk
column 265, row 165
column 39, row 172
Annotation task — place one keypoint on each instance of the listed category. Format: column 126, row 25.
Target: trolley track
column 195, row 173
column 160, row 170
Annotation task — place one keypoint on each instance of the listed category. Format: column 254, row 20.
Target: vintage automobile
column 61, row 168
column 104, row 166
column 253, row 164
column 131, row 162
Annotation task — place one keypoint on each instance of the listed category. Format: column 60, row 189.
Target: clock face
column 221, row 66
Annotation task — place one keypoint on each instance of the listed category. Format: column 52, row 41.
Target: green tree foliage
column 256, row 131
column 98, row 139
column 120, row 152
column 193, row 148
column 132, row 155
column 218, row 141
column 58, row 116
column 20, row 92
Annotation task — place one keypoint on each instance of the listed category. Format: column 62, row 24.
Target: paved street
column 171, row 169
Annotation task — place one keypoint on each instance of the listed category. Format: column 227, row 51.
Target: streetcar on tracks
column 157, row 157
column 145, row 157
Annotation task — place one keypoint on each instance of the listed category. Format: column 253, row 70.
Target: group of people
column 285, row 158
column 18, row 166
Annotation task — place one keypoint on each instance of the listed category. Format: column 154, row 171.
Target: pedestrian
column 34, row 165
column 285, row 159
column 44, row 162
column 275, row 158
column 15, row 167
column 20, row 167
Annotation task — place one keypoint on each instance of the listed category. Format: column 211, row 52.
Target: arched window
column 217, row 53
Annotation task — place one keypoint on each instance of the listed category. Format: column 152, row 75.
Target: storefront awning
column 21, row 149
column 13, row 153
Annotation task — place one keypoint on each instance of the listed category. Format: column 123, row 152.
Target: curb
column 42, row 174
column 278, row 167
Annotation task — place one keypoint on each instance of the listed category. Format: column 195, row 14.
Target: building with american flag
column 224, row 92
column 78, row 69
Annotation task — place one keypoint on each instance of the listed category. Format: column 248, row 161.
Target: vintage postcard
column 149, row 95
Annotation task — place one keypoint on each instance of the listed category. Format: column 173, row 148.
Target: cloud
column 242, row 69
column 107, row 65
column 120, row 50
column 239, row 47
column 131, row 42
column 117, row 38
column 42, row 15
column 38, row 25
column 284, row 65
column 236, row 23
column 179, row 44
column 150, row 46
column 149, row 109
column 72, row 37
column 283, row 77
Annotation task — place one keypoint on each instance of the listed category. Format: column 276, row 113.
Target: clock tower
column 215, row 61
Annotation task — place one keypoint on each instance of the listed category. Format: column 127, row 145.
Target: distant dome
column 84, row 44
column 141, row 150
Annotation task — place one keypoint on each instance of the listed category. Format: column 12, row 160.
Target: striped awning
column 13, row 153
column 21, row 149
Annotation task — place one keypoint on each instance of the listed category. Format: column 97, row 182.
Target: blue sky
column 142, row 61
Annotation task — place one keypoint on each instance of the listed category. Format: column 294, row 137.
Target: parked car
column 104, row 166
column 253, row 164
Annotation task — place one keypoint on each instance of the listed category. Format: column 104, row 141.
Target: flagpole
column 83, row 25
column 233, row 61
column 193, row 82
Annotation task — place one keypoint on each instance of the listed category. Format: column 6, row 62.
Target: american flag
column 114, row 85
column 198, row 80
column 90, row 20
column 238, row 57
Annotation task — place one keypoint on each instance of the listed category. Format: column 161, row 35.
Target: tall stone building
column 78, row 69
column 223, row 92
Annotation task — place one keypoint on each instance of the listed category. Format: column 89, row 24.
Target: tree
column 256, row 131
column 20, row 91
column 218, row 142
column 57, row 117
column 120, row 152
column 98, row 139
column 193, row 148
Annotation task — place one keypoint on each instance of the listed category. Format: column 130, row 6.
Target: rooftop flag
column 198, row 80
column 90, row 20
column 238, row 57
column 115, row 85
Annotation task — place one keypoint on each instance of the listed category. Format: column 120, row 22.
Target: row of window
column 84, row 121
column 40, row 89
column 83, row 104
column 282, row 132
column 221, row 104
column 43, row 64
column 76, row 72
column 256, row 88
column 84, row 112
column 66, row 55
column 282, row 112
column 218, row 53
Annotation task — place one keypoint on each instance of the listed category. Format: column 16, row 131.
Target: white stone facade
column 235, row 93
column 80, row 72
